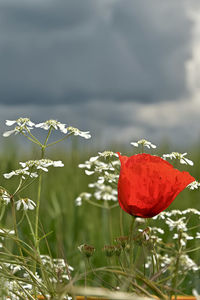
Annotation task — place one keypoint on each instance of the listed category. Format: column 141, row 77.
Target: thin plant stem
column 175, row 277
column 15, row 224
column 121, row 222
column 29, row 223
column 110, row 225
column 131, row 240
column 58, row 141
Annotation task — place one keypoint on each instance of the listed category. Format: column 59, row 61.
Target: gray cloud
column 72, row 51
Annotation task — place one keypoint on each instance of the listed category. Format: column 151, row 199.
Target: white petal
column 10, row 123
column 94, row 158
column 153, row 146
column 189, row 162
column 9, row 175
column 58, row 163
column 134, row 144
column 18, row 204
column 182, row 161
column 89, row 172
column 8, row 133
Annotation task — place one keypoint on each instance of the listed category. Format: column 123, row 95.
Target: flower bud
column 109, row 250
column 122, row 241
column 118, row 249
column 87, row 250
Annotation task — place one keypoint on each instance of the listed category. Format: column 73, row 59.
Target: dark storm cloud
column 77, row 50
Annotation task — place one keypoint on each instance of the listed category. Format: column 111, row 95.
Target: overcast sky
column 123, row 69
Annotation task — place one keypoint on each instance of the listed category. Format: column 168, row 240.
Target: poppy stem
column 131, row 240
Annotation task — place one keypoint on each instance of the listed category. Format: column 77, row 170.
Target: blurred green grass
column 70, row 225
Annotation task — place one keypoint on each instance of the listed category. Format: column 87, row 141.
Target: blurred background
column 124, row 70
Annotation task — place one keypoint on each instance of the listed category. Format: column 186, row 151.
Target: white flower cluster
column 61, row 269
column 95, row 165
column 41, row 164
column 20, row 172
column 175, row 212
column 183, row 239
column 179, row 225
column 4, row 196
column 143, row 143
column 106, row 166
column 104, row 192
column 76, row 131
column 52, row 124
column 83, row 196
column 179, row 156
column 24, row 125
column 194, row 185
column 20, row 289
column 26, row 204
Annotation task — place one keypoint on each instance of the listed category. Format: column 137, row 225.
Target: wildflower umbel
column 52, row 124
column 143, row 143
column 179, row 156
column 22, row 125
column 76, row 131
column 26, row 204
column 20, row 172
column 42, row 164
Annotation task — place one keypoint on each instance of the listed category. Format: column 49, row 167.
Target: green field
column 69, row 225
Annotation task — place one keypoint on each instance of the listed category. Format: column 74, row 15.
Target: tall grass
column 69, row 226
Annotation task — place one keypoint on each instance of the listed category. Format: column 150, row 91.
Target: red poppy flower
column 148, row 184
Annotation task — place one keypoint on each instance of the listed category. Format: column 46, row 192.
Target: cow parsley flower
column 81, row 197
column 20, row 172
column 197, row 235
column 144, row 143
column 107, row 154
column 76, row 131
column 193, row 185
column 42, row 164
column 180, row 156
column 54, row 124
column 179, row 224
column 4, row 196
column 22, row 125
column 26, row 204
column 104, row 192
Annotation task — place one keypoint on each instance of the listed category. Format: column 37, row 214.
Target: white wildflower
column 180, row 156
column 26, row 204
column 52, row 124
column 89, row 172
column 22, row 125
column 4, row 196
column 191, row 211
column 81, row 197
column 42, row 164
column 157, row 230
column 144, row 143
column 178, row 224
column 76, row 131
column 188, row 264
column 193, row 185
column 106, row 154
column 20, row 172
column 197, row 235
column 104, row 192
